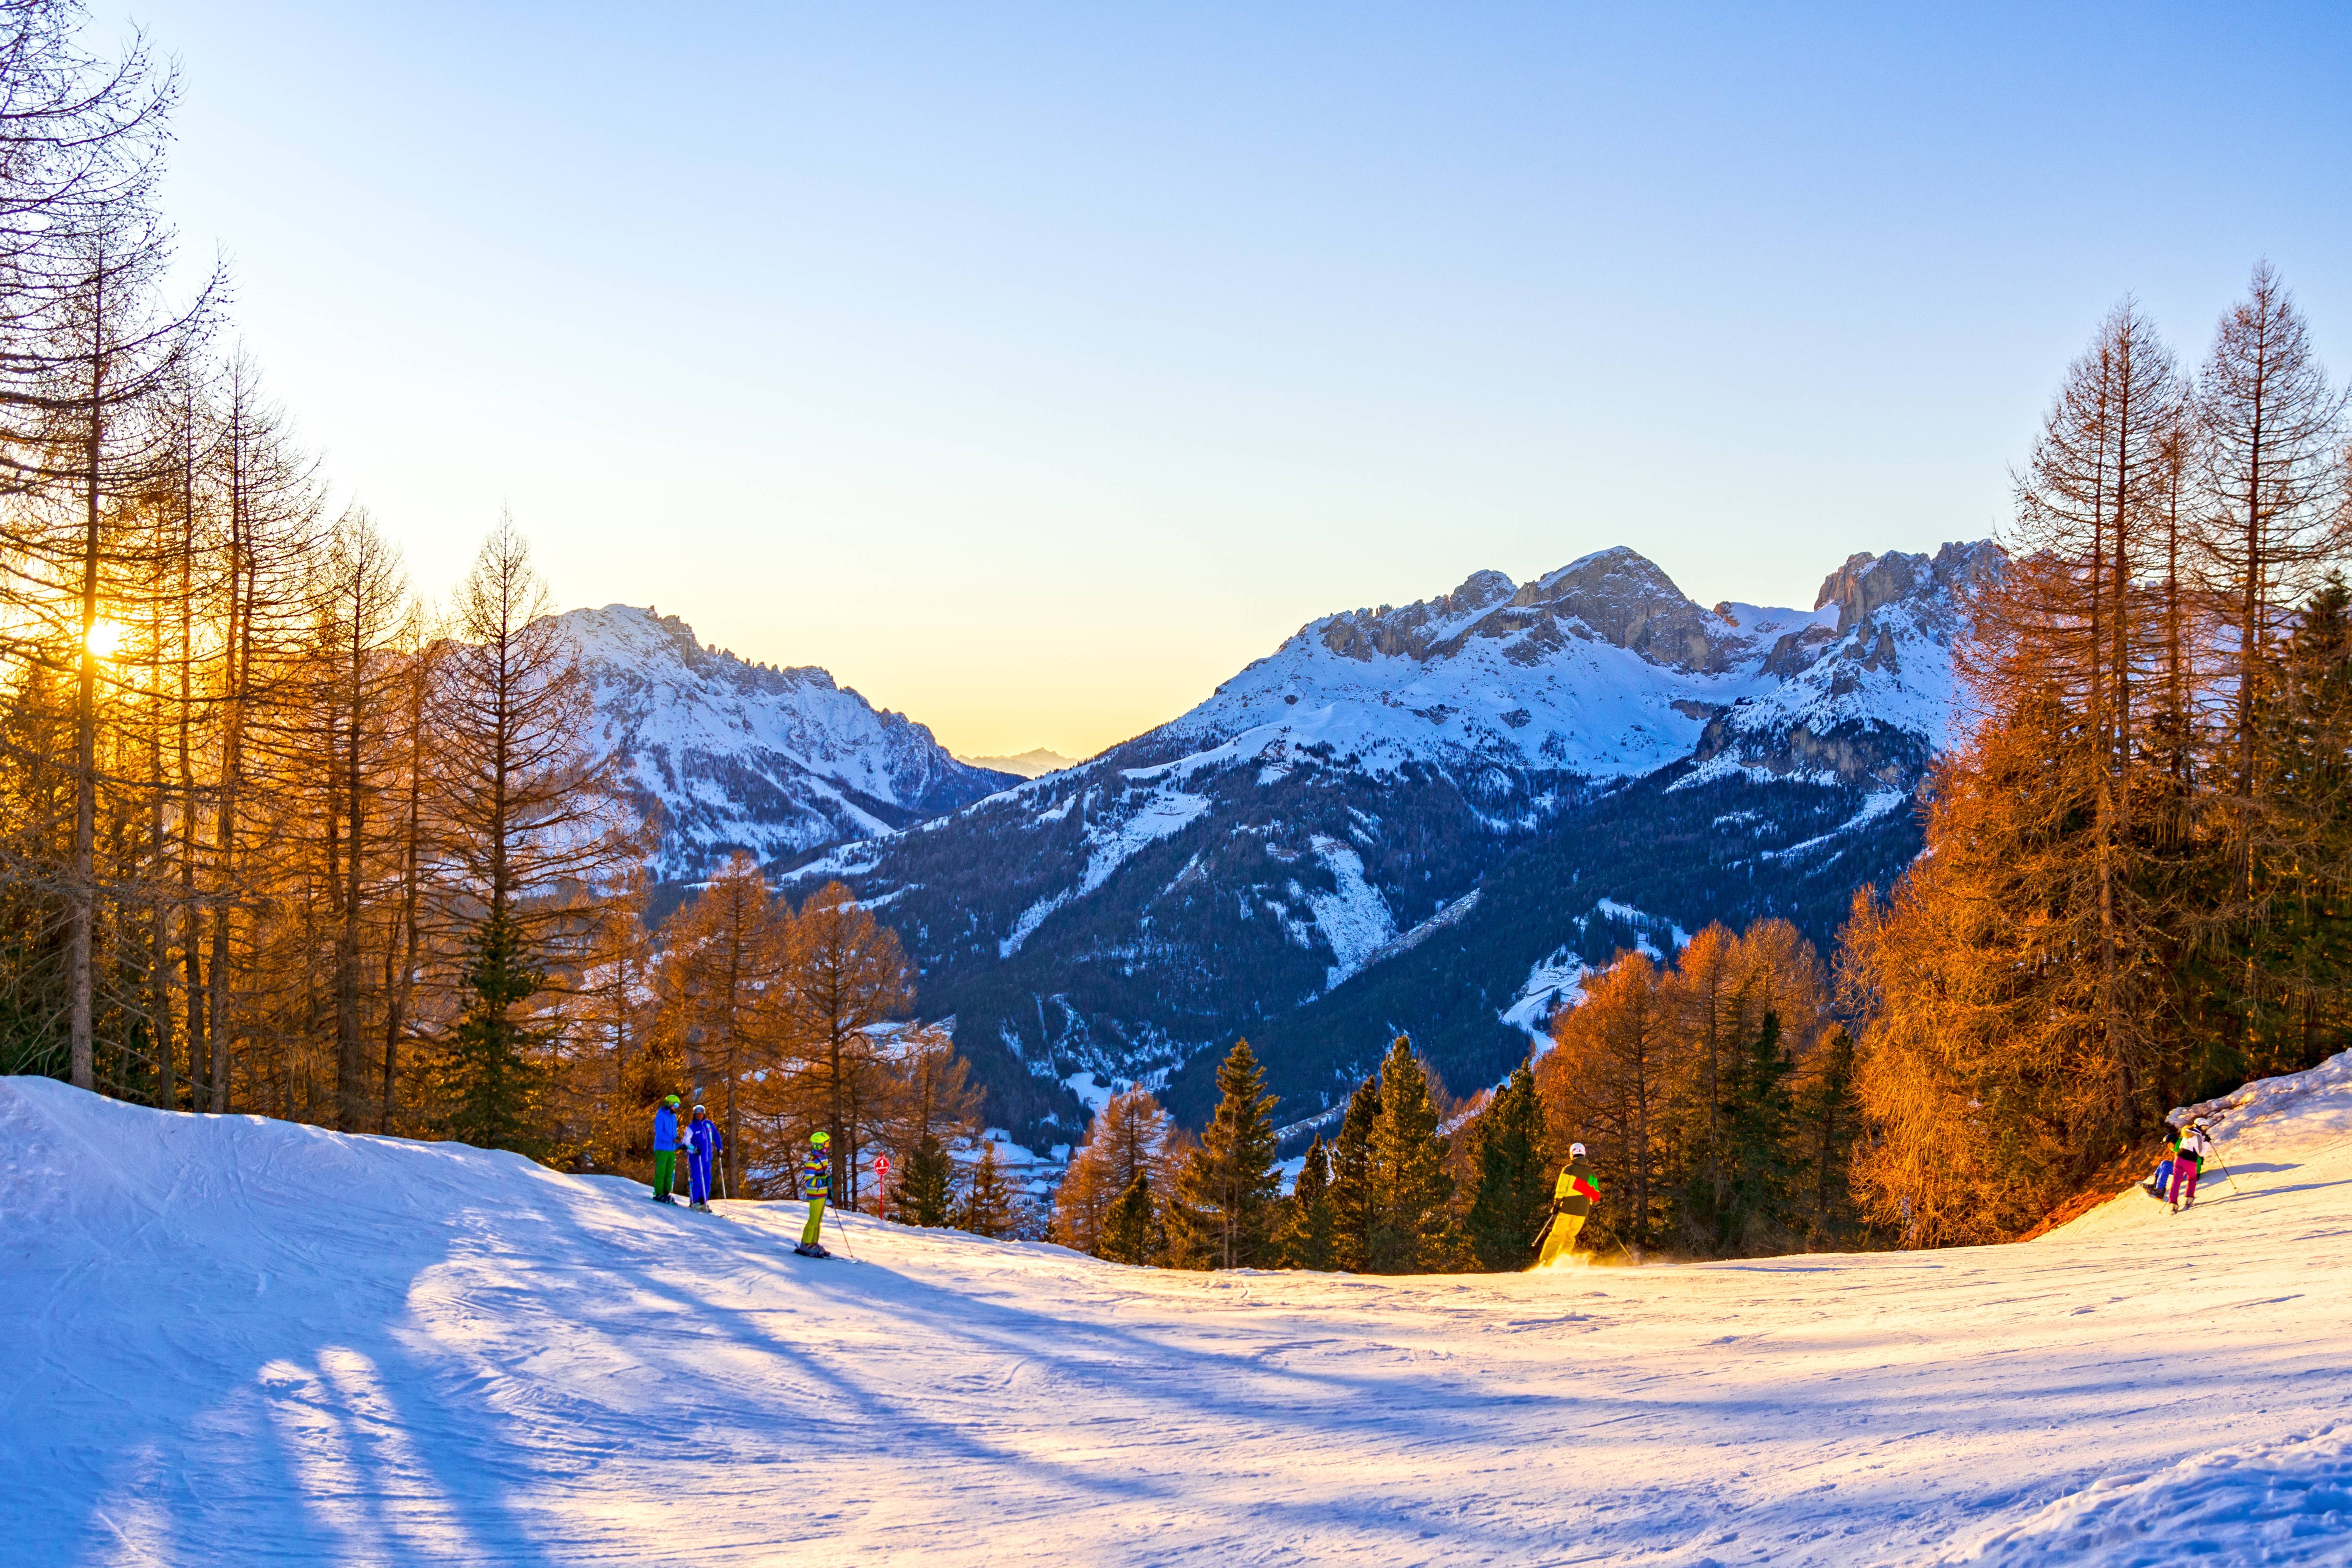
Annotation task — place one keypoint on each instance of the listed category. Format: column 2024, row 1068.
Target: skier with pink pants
column 2187, row 1161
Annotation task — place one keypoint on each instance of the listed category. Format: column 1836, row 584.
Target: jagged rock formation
column 734, row 755
column 1866, row 699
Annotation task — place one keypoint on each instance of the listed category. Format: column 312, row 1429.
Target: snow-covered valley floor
column 237, row 1341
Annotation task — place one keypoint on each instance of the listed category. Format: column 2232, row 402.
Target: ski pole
column 842, row 1226
column 1627, row 1251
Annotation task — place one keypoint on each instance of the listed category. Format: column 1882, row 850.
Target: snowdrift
column 233, row 1339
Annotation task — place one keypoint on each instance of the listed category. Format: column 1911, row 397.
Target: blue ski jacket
column 704, row 1139
column 664, row 1130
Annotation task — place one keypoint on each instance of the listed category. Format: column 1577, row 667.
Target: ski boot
column 664, row 1198
column 700, row 1206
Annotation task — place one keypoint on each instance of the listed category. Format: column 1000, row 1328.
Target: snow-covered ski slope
column 237, row 1341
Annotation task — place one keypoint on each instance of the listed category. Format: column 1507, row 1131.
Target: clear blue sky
column 1034, row 368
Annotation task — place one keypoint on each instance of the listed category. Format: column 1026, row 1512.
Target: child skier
column 2155, row 1183
column 816, row 1180
column 1571, row 1203
column 665, row 1150
column 703, row 1145
column 2188, row 1160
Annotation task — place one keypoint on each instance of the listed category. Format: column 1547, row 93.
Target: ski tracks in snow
column 462, row 1358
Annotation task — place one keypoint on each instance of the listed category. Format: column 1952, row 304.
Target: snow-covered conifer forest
column 1194, row 1110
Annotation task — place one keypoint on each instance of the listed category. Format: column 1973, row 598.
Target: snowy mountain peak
column 625, row 634
column 1616, row 597
column 1627, row 600
column 733, row 754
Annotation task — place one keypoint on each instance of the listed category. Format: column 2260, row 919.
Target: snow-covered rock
column 737, row 755
column 1866, row 691
column 1602, row 669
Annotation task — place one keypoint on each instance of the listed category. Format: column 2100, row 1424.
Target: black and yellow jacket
column 1575, row 1191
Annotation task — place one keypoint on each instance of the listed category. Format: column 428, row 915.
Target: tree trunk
column 81, row 978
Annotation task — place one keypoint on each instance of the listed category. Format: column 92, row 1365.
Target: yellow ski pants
column 1561, row 1238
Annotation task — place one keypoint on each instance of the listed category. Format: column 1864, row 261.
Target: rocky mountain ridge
column 731, row 754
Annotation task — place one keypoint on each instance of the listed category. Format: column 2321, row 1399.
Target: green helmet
column 820, row 1139
column 669, row 1099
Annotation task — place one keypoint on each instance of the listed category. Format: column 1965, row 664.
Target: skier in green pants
column 816, row 1180
column 666, row 1144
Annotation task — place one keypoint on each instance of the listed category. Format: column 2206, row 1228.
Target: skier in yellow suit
column 1571, row 1203
column 817, row 1181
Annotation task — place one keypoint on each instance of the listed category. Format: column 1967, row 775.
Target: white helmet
column 1576, row 1151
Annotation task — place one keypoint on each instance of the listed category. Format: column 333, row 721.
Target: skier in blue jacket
column 703, row 1145
column 666, row 1145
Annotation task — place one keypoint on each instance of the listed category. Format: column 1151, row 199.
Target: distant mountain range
column 1035, row 762
column 1423, row 818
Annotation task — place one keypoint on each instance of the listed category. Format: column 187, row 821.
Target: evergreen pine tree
column 1514, row 1178
column 1409, row 1187
column 1351, row 1179
column 489, row 1076
column 2302, row 945
column 925, row 1183
column 987, row 1206
column 1227, row 1191
column 1310, row 1221
column 1758, row 1111
column 1829, row 1116
column 1130, row 1227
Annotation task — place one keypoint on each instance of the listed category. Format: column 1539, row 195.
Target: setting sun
column 104, row 638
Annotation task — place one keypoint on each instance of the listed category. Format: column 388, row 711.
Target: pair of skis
column 671, row 1196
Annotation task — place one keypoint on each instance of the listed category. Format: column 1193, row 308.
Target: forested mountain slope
column 1590, row 736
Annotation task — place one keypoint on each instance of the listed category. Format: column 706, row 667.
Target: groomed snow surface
column 238, row 1341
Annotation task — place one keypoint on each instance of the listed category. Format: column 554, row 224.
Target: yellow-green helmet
column 820, row 1139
